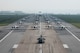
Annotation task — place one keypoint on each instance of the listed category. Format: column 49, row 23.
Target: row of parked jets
column 41, row 39
column 19, row 23
column 61, row 26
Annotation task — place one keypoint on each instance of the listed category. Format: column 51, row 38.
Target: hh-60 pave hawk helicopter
column 41, row 39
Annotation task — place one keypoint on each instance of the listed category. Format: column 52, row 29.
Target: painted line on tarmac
column 71, row 33
column 65, row 46
column 40, row 51
column 15, row 46
column 40, row 28
column 6, row 36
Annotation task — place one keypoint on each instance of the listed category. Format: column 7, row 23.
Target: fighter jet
column 58, row 22
column 20, row 22
column 63, row 27
column 41, row 39
column 23, row 19
column 36, row 22
column 35, row 27
column 15, row 27
column 49, row 26
column 48, row 22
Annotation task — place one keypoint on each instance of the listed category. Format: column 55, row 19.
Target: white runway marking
column 65, row 46
column 6, row 36
column 40, row 28
column 40, row 51
column 71, row 33
column 15, row 46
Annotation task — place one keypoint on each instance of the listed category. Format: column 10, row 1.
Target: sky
column 45, row 6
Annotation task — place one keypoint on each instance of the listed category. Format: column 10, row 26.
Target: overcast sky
column 51, row 6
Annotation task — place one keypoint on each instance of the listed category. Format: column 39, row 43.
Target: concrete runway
column 69, row 39
column 29, row 43
column 57, row 41
column 13, row 38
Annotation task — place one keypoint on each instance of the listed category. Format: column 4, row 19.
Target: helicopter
column 41, row 39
